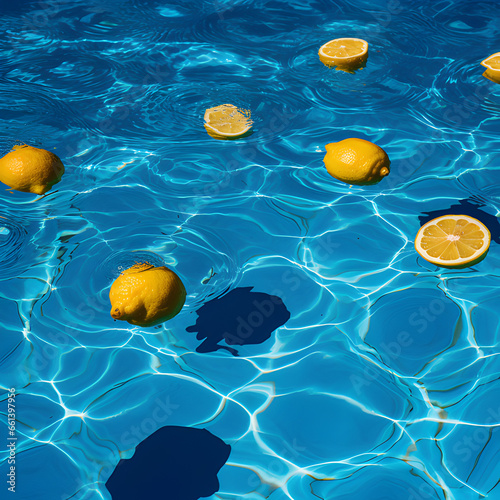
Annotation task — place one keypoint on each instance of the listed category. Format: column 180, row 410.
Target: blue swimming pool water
column 383, row 382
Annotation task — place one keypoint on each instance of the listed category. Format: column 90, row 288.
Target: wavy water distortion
column 374, row 374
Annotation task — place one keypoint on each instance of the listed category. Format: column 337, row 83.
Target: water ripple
column 13, row 240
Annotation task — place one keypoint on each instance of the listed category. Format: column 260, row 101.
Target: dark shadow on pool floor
column 174, row 463
column 240, row 317
column 471, row 207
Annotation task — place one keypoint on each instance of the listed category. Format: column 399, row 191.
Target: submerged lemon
column 30, row 169
column 227, row 122
column 356, row 161
column 492, row 65
column 146, row 295
column 348, row 54
column 453, row 241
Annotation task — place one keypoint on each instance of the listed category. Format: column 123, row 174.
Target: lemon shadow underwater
column 175, row 462
column 240, row 317
column 471, row 207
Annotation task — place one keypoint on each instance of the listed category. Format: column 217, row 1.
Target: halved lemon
column 227, row 122
column 453, row 241
column 347, row 54
column 492, row 65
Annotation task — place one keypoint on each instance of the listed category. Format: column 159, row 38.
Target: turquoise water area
column 383, row 382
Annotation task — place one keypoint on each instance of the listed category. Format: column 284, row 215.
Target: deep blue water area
column 317, row 355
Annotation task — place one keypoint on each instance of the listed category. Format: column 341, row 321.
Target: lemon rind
column 224, row 134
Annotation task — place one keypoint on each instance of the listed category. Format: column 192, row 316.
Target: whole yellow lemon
column 146, row 295
column 30, row 169
column 356, row 161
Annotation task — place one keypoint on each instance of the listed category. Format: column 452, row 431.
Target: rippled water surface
column 378, row 375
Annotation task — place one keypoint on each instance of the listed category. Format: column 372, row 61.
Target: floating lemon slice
column 492, row 65
column 348, row 54
column 453, row 241
column 227, row 122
